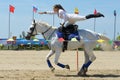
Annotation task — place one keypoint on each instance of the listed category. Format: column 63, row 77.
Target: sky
column 22, row 17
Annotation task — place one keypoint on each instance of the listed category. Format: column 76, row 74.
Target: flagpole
column 9, row 26
column 95, row 12
column 114, row 24
column 53, row 19
column 11, row 10
column 94, row 24
column 33, row 15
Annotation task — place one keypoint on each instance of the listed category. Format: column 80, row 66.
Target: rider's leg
column 59, row 34
column 61, row 39
column 71, row 36
column 74, row 35
column 48, row 56
column 80, row 18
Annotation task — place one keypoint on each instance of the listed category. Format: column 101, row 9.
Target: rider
column 69, row 19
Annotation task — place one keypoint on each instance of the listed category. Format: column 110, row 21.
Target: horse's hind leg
column 89, row 58
column 57, row 55
column 48, row 61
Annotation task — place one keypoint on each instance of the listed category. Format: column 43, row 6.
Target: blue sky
column 21, row 19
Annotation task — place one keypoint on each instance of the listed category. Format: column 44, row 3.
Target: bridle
column 34, row 28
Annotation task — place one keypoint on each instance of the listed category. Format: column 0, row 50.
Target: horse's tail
column 106, row 43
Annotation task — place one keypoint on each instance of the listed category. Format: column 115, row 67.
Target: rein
column 49, row 36
column 47, row 30
column 35, row 29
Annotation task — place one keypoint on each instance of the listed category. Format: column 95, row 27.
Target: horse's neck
column 47, row 35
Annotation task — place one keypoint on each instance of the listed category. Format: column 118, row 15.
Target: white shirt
column 69, row 18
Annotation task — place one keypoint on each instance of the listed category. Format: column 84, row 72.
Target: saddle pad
column 74, row 45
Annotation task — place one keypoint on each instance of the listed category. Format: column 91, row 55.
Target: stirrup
column 63, row 50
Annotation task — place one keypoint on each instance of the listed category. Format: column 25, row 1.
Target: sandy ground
column 31, row 65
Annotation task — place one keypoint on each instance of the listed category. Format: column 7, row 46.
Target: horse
column 88, row 42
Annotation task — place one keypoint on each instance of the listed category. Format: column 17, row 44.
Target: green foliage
column 118, row 37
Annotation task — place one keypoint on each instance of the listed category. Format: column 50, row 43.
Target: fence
column 23, row 44
column 35, row 44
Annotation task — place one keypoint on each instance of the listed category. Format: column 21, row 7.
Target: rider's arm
column 47, row 12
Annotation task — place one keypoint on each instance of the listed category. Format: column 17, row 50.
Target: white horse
column 88, row 43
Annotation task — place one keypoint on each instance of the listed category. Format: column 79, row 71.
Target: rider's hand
column 42, row 12
column 62, row 24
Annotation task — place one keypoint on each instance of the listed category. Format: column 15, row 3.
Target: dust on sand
column 31, row 65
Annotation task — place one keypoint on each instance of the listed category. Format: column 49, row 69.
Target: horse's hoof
column 52, row 69
column 67, row 67
column 81, row 74
column 85, row 70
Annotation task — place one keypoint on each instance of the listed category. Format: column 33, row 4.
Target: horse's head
column 37, row 27
column 31, row 30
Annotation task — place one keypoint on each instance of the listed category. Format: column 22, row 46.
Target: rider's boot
column 65, row 45
column 94, row 15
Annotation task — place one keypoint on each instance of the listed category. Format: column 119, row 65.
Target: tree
column 118, row 37
column 20, row 36
column 23, row 34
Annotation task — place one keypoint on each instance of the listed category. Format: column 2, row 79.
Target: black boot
column 94, row 15
column 64, row 46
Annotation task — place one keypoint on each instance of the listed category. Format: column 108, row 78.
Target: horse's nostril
column 27, row 37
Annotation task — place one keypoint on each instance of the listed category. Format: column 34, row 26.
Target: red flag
column 11, row 8
column 34, row 9
column 95, row 11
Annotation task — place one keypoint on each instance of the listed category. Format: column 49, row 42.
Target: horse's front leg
column 57, row 55
column 48, row 61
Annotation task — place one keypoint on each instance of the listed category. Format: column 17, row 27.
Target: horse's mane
column 45, row 24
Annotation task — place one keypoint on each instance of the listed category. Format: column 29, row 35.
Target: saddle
column 68, row 32
column 68, row 29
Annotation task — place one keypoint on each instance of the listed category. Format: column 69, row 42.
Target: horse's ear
column 33, row 22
